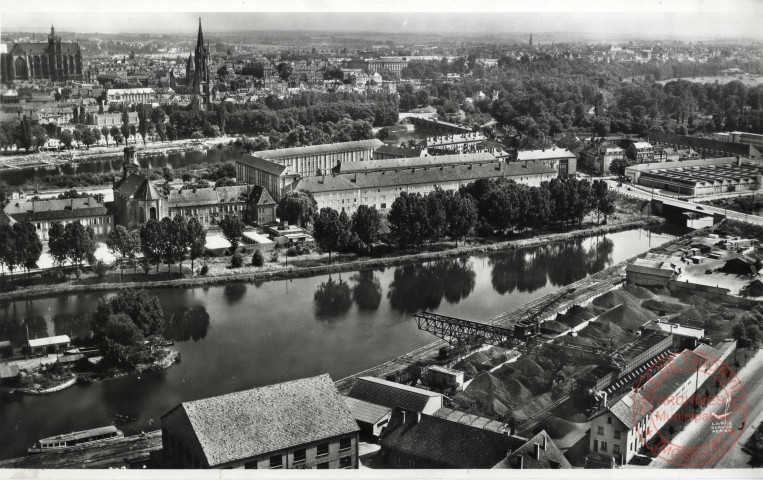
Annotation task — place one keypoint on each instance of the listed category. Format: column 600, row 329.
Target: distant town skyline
column 679, row 19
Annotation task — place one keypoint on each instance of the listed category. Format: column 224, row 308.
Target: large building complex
column 299, row 424
column 130, row 95
column 89, row 211
column 706, row 147
column 54, row 60
column 754, row 139
column 313, row 159
column 345, row 192
column 700, row 177
column 455, row 143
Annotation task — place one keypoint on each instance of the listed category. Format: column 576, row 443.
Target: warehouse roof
column 549, row 154
column 267, row 419
column 326, row 148
column 366, row 411
column 391, row 394
column 262, row 164
column 55, row 209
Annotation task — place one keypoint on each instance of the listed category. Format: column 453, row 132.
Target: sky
column 647, row 18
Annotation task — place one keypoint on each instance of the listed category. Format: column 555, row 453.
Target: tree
column 23, row 135
column 143, row 120
column 330, row 231
column 297, row 208
column 143, row 310
column 133, row 133
column 257, row 259
column 232, row 228
column 606, row 205
column 408, row 220
column 461, row 215
column 88, row 138
column 197, row 240
column 617, row 167
column 66, row 138
column 124, row 244
column 366, row 223
column 58, row 247
column 114, row 132
column 97, row 135
column 77, row 134
column 27, row 244
column 174, row 243
column 81, row 243
column 151, row 242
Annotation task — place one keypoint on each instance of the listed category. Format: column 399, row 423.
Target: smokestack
column 536, row 451
column 544, row 442
column 418, row 417
column 403, row 416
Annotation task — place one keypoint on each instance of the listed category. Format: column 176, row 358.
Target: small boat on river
column 77, row 439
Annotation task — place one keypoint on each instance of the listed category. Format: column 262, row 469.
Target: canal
column 240, row 336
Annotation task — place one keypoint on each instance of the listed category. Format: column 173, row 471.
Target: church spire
column 200, row 38
column 531, row 39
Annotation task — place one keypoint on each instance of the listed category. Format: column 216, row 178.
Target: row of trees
column 414, row 219
column 168, row 241
column 73, row 242
column 336, row 232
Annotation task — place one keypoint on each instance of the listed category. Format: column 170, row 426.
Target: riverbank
column 287, row 272
column 95, row 153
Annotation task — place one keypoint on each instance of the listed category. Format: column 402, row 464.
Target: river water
column 241, row 336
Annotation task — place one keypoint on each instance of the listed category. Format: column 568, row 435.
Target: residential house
column 560, row 159
column 88, row 211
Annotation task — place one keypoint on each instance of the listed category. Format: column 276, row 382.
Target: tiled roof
column 67, row 48
column 268, row 419
column 391, row 394
column 146, row 191
column 262, row 164
column 547, row 154
column 325, row 183
column 549, row 456
column 129, row 185
column 398, row 151
column 260, row 196
column 445, row 443
column 207, row 196
column 366, row 411
column 418, row 162
column 55, row 209
column 318, row 149
column 471, row 420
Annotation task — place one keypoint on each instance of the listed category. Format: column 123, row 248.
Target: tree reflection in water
column 560, row 264
column 419, row 287
column 367, row 291
column 188, row 324
column 76, row 326
column 332, row 298
column 16, row 330
column 235, row 292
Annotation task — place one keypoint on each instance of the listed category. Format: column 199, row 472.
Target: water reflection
column 113, row 164
column 234, row 292
column 332, row 298
column 422, row 287
column 188, row 324
column 367, row 291
column 558, row 264
column 76, row 326
column 17, row 331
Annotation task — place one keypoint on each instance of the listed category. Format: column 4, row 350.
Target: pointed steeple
column 200, row 38
column 531, row 39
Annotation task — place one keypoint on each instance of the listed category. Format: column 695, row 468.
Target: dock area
column 129, row 452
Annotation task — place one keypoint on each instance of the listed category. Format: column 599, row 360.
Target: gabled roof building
column 298, row 424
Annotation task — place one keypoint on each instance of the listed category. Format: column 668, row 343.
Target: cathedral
column 54, row 60
column 197, row 71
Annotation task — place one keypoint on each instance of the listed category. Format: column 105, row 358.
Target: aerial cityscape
column 315, row 240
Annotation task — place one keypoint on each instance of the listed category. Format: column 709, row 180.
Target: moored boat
column 76, row 439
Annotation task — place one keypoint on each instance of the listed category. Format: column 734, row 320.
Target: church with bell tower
column 197, row 71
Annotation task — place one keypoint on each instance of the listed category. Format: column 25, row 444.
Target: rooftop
column 267, row 419
column 446, row 443
column 47, row 341
column 419, row 162
column 549, row 154
column 366, row 411
column 55, row 209
column 285, row 153
column 391, row 394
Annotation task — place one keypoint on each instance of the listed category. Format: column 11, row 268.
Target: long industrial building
column 700, row 177
column 309, row 160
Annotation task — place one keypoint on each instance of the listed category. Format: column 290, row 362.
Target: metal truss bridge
column 456, row 330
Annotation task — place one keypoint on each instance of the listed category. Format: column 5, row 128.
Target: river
column 240, row 336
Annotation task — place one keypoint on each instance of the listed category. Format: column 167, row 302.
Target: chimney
column 418, row 418
column 521, row 462
column 544, row 442
column 536, row 451
column 739, row 161
column 403, row 416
